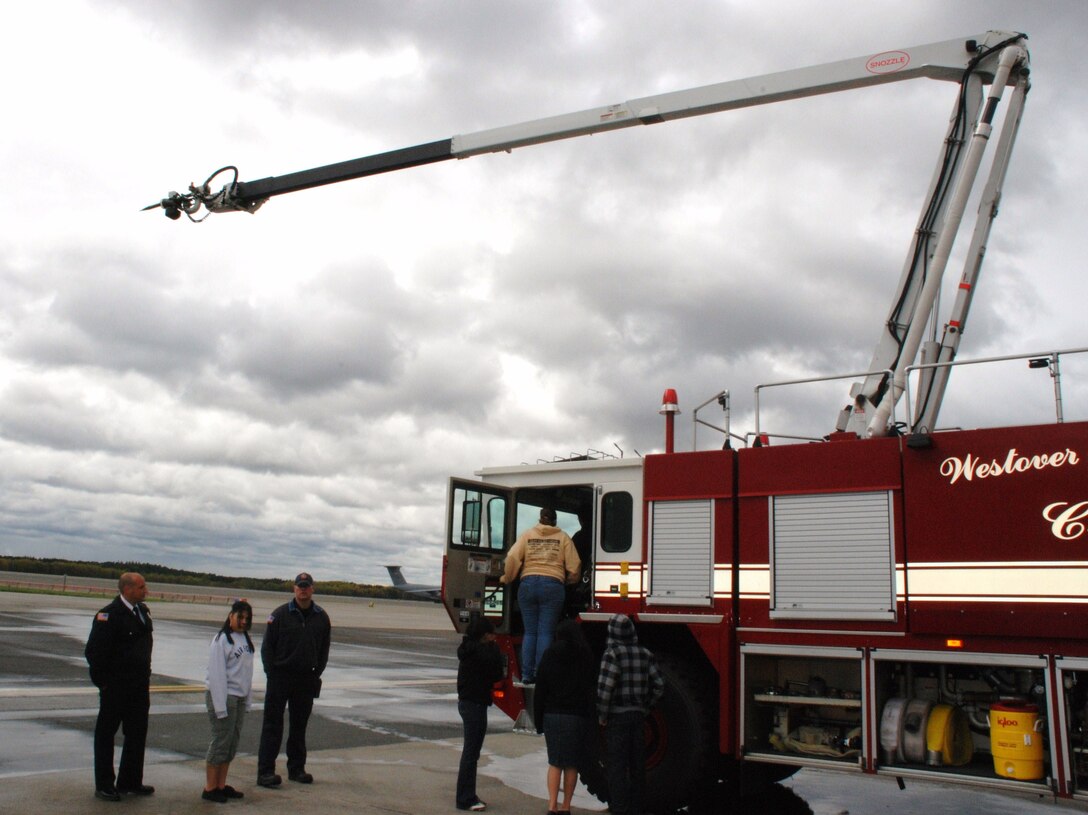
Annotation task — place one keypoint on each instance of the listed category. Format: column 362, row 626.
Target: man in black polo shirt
column 295, row 651
column 119, row 655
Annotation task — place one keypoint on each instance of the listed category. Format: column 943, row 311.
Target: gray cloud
column 296, row 386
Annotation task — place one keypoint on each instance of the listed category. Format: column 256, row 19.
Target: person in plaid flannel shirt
column 628, row 685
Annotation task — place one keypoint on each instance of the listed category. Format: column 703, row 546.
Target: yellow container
column 1016, row 741
column 948, row 737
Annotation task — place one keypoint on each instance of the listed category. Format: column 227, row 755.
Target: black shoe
column 269, row 780
column 108, row 794
column 301, row 777
column 231, row 792
column 214, row 795
column 142, row 789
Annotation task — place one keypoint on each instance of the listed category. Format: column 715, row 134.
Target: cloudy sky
column 258, row 394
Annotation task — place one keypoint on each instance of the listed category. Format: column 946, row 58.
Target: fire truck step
column 524, row 725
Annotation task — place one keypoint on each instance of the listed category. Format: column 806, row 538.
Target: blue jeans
column 474, row 718
column 541, row 600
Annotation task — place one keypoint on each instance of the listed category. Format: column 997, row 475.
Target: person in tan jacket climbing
column 546, row 560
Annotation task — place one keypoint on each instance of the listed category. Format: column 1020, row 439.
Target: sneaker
column 269, row 780
column 231, row 792
column 214, row 795
column 139, row 789
column 479, row 806
column 301, row 777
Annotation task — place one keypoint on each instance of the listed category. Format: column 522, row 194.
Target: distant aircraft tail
column 396, row 576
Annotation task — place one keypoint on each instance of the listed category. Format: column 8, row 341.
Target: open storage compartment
column 980, row 715
column 1073, row 680
column 802, row 705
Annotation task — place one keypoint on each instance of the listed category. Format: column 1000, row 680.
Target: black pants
column 124, row 706
column 474, row 719
column 625, row 762
column 297, row 695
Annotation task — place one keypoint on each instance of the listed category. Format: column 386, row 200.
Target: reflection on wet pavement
column 381, row 687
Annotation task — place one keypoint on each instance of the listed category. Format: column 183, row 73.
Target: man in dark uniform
column 119, row 655
column 295, row 651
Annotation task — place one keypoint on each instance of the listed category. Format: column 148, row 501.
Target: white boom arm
column 996, row 58
column 944, row 60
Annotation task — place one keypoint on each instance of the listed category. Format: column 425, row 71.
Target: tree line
column 154, row 573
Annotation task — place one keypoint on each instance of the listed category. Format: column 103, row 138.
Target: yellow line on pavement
column 82, row 690
column 177, row 688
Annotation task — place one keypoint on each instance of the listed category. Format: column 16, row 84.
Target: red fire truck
column 892, row 599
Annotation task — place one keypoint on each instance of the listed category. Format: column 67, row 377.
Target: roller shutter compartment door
column 832, row 556
column 681, row 553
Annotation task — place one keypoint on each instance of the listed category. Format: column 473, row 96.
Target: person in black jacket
column 119, row 656
column 563, row 708
column 294, row 652
column 479, row 667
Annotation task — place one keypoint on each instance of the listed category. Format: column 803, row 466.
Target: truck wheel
column 681, row 747
column 591, row 768
column 682, row 739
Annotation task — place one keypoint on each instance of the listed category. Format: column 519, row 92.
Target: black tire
column 681, row 743
column 682, row 739
column 591, row 768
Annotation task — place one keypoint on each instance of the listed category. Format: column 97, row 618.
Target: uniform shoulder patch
column 271, row 617
column 102, row 616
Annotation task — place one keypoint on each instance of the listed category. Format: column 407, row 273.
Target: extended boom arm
column 945, row 60
column 996, row 58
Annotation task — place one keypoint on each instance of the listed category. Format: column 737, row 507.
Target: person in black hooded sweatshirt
column 563, row 708
column 479, row 668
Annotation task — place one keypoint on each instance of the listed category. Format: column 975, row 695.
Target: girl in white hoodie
column 229, row 696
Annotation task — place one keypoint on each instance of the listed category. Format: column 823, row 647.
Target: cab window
column 478, row 519
column 617, row 510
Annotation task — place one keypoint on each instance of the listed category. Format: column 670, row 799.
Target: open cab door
column 479, row 531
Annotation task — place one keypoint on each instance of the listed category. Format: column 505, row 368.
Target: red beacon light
column 670, row 407
column 669, row 403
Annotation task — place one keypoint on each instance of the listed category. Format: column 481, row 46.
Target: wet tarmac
column 385, row 736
